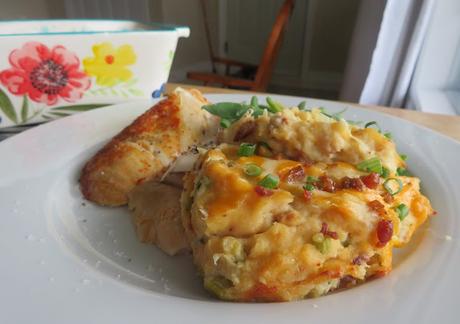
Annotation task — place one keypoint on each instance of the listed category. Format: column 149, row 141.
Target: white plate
column 66, row 261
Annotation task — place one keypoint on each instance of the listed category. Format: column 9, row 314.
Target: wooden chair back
column 265, row 68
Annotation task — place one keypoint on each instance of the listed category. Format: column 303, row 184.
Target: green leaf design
column 47, row 117
column 60, row 114
column 130, row 83
column 7, row 107
column 80, row 107
column 136, row 92
column 25, row 109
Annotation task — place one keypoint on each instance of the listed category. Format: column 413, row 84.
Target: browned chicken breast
column 146, row 149
column 156, row 216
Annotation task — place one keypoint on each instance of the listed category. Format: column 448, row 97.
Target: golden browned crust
column 130, row 157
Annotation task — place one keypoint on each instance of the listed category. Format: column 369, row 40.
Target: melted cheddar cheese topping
column 282, row 244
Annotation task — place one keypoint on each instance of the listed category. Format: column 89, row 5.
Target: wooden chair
column 262, row 72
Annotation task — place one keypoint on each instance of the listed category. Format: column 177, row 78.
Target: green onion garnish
column 323, row 244
column 310, row 185
column 403, row 157
column 385, row 172
column 254, row 101
column 386, row 185
column 402, row 172
column 252, row 170
column 246, row 149
column 311, row 179
column 269, row 181
column 388, row 135
column 302, row 105
column 402, row 210
column 274, row 106
column 372, row 123
column 372, row 165
column 225, row 123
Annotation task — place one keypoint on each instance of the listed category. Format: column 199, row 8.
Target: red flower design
column 44, row 74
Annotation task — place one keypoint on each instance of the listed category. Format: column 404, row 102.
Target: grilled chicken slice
column 156, row 216
column 146, row 149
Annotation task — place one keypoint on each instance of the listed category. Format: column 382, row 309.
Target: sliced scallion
column 385, row 173
column 309, row 186
column 388, row 135
column 302, row 105
column 372, row 123
column 386, row 185
column 225, row 123
column 402, row 172
column 246, row 149
column 270, row 181
column 274, row 106
column 402, row 211
column 371, row 165
column 254, row 101
column 252, row 170
column 403, row 157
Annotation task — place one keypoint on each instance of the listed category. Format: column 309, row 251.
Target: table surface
column 444, row 124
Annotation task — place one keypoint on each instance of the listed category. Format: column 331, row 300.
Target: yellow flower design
column 109, row 64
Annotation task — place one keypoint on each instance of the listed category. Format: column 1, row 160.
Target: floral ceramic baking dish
column 53, row 68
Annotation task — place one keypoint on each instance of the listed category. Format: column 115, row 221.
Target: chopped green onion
column 388, row 135
column 402, row 210
column 317, row 238
column 246, row 149
column 311, row 179
column 385, row 172
column 274, row 106
column 254, row 101
column 372, row 123
column 403, row 157
column 269, row 181
column 386, row 185
column 309, row 187
column 402, row 172
column 336, row 116
column 372, row 165
column 225, row 123
column 302, row 105
column 321, row 243
column 252, row 170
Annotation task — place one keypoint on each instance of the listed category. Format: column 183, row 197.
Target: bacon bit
column 377, row 206
column 347, row 281
column 352, row 183
column 307, row 194
column 387, row 197
column 434, row 213
column 371, row 180
column 261, row 191
column 360, row 259
column 244, row 131
column 326, row 184
column 296, row 173
column 384, row 231
column 326, row 232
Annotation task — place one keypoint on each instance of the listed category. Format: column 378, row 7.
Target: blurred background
column 399, row 53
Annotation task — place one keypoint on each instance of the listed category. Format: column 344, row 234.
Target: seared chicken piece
column 277, row 230
column 313, row 136
column 156, row 216
column 146, row 149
